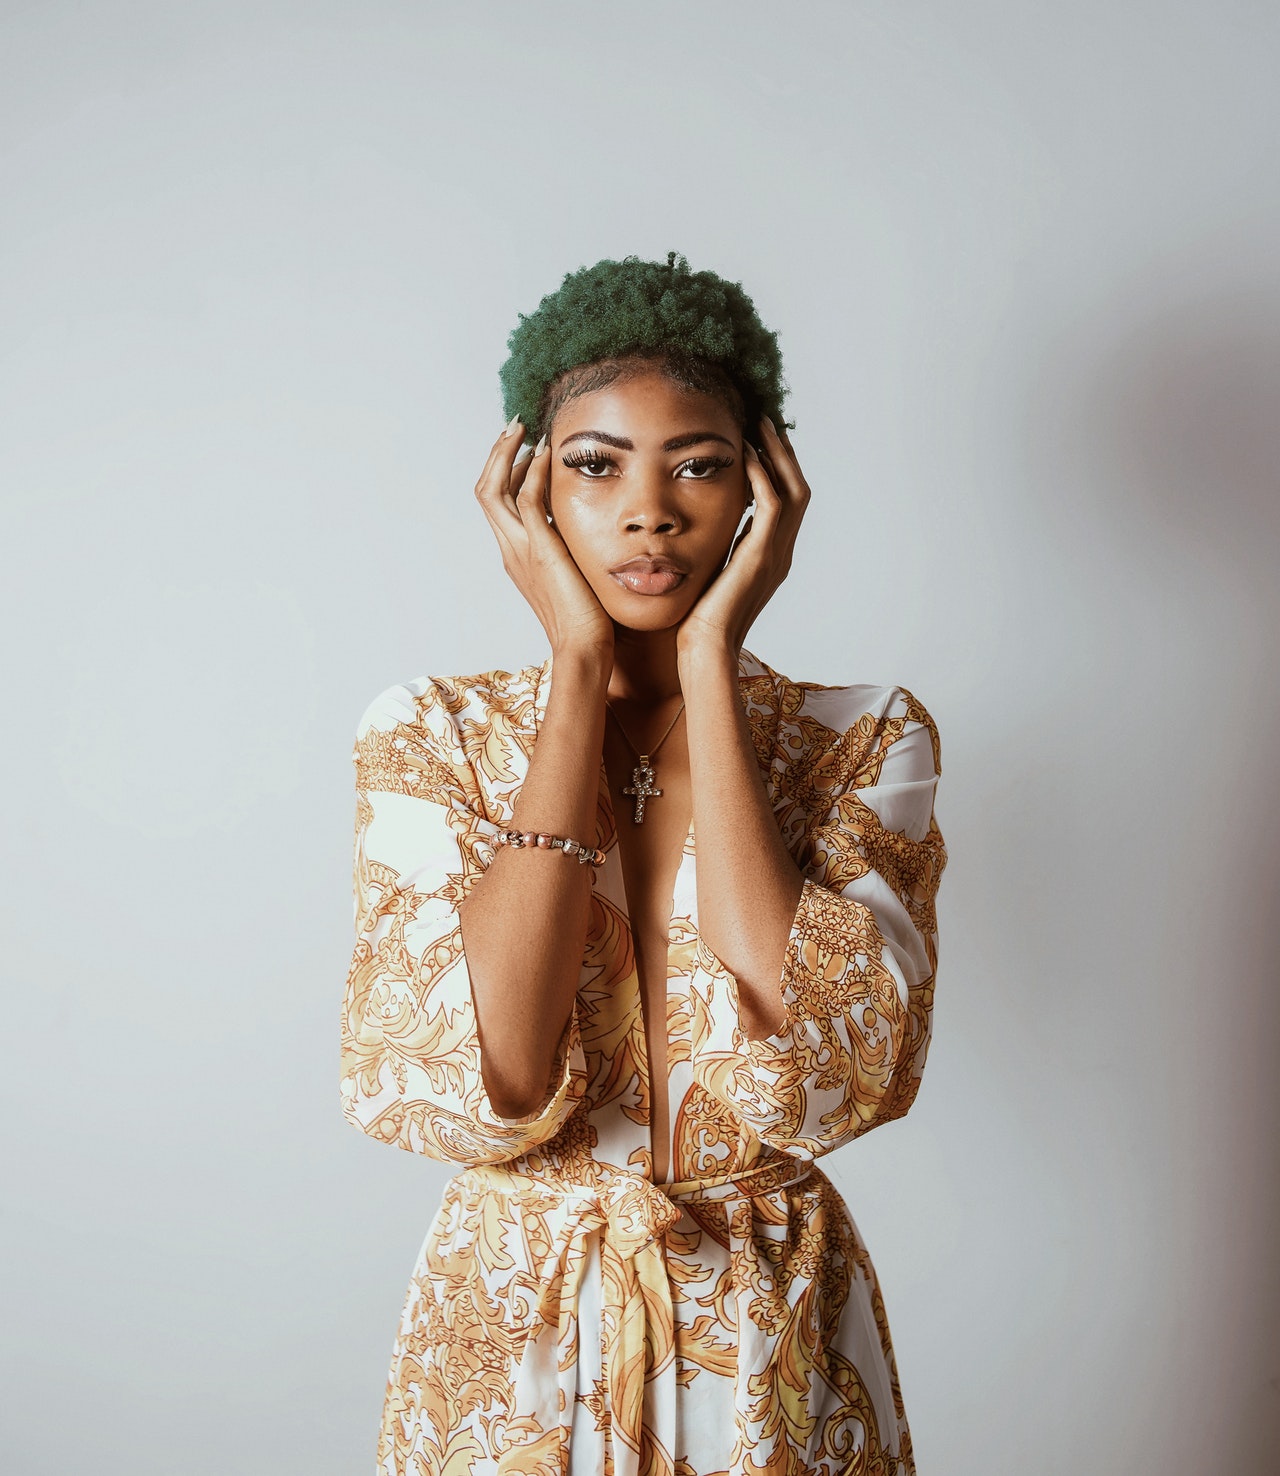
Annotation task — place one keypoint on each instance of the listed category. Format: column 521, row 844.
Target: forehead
column 645, row 407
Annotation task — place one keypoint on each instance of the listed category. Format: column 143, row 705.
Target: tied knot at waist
column 636, row 1319
column 633, row 1211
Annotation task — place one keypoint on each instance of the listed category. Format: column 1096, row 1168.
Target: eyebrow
column 676, row 443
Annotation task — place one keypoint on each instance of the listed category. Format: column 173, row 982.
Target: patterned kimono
column 567, row 1314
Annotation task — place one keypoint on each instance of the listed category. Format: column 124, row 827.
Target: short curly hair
column 609, row 319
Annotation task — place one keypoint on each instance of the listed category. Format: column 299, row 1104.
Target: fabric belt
column 631, row 1215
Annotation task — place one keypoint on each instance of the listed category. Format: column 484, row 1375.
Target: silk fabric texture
column 566, row 1314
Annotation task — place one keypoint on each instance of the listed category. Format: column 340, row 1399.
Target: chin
column 649, row 627
column 647, row 617
column 647, row 612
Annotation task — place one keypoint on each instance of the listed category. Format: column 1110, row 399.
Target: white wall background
column 259, row 264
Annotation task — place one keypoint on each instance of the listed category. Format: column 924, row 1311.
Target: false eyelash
column 581, row 458
column 588, row 456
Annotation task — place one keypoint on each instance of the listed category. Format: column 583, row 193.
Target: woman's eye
column 590, row 462
column 596, row 465
column 703, row 468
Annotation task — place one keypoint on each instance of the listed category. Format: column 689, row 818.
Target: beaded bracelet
column 519, row 839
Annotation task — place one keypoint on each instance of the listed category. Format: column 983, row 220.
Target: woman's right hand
column 514, row 499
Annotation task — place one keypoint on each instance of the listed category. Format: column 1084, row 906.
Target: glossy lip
column 649, row 574
column 650, row 563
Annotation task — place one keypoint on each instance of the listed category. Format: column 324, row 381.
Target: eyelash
column 587, row 457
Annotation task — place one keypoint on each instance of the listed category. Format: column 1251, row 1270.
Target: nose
column 651, row 508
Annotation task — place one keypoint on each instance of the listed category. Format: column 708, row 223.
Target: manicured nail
column 511, row 425
column 541, row 446
column 770, row 424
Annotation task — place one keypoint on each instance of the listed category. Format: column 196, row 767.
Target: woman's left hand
column 761, row 558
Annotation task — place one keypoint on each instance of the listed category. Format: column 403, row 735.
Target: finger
column 776, row 446
column 529, row 493
column 497, row 469
column 494, row 491
column 503, row 518
column 781, row 432
column 518, row 473
column 746, row 528
column 788, row 476
column 788, row 479
column 768, row 503
column 788, row 513
column 510, row 439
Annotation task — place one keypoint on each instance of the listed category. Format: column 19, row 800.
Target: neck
column 645, row 667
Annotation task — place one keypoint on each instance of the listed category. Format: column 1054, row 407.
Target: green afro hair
column 702, row 330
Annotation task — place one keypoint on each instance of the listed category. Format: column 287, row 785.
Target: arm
column 748, row 885
column 525, row 928
column 469, row 1050
column 857, row 971
column 817, row 980
column 411, row 1060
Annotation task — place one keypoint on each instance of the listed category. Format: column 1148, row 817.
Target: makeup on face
column 592, row 461
column 647, row 485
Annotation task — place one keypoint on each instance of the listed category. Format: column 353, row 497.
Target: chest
column 652, row 809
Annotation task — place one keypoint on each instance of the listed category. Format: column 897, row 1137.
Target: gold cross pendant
column 642, row 786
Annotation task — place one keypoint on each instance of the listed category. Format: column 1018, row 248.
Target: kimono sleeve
column 858, row 972
column 410, row 1052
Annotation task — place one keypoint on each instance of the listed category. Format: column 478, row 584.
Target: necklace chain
column 644, row 757
column 643, row 776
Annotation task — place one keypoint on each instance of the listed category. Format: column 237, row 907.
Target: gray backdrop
column 260, row 261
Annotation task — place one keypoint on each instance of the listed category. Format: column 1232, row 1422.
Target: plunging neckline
column 604, row 801
column 605, row 811
column 607, row 838
column 659, row 1082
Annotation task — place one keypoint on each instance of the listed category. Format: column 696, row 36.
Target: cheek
column 581, row 528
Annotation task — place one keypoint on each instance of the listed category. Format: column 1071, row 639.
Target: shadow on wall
column 1190, row 410
column 1171, row 433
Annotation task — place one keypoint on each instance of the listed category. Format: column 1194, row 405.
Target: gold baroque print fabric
column 567, row 1315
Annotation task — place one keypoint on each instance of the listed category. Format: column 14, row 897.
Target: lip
column 649, row 574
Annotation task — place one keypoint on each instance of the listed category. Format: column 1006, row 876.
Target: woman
column 642, row 931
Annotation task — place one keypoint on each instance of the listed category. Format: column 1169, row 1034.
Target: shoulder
column 441, row 704
column 852, row 726
column 436, row 734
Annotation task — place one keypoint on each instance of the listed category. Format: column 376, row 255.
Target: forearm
column 748, row 885
column 524, row 923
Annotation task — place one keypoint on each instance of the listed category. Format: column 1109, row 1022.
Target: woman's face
column 647, row 489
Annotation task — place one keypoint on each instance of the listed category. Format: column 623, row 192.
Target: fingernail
column 770, row 424
column 541, row 446
column 511, row 425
